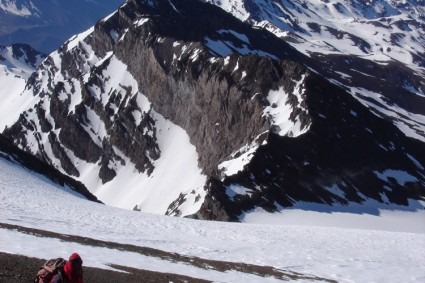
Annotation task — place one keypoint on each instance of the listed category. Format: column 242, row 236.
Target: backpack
column 49, row 269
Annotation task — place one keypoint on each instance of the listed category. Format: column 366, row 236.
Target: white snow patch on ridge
column 11, row 100
column 280, row 110
column 240, row 36
column 140, row 22
column 238, row 160
column 218, row 47
column 79, row 38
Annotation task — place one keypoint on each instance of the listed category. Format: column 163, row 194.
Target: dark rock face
column 209, row 100
column 389, row 79
column 216, row 78
column 343, row 158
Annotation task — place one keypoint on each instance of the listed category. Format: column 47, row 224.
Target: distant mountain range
column 180, row 108
column 46, row 24
column 379, row 30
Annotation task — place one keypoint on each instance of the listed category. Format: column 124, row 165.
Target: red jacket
column 72, row 271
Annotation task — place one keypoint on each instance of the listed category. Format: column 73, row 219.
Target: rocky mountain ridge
column 374, row 49
column 179, row 108
column 377, row 29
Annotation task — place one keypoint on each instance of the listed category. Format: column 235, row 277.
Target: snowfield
column 303, row 242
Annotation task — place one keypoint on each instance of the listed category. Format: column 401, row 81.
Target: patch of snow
column 280, row 110
column 241, row 37
column 109, row 16
column 336, row 190
column 218, row 47
column 239, row 159
column 76, row 39
column 379, row 216
column 141, row 22
column 174, row 7
column 401, row 177
column 95, row 127
column 13, row 75
column 235, row 190
column 417, row 163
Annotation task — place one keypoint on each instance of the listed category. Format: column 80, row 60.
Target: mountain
column 374, row 49
column 46, row 24
column 179, row 108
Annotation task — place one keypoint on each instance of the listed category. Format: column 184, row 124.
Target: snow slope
column 148, row 192
column 15, row 69
column 343, row 254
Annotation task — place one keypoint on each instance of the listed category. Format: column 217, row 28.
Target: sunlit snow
column 379, row 253
column 13, row 75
